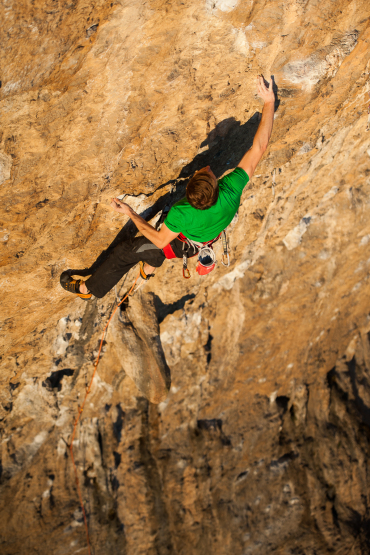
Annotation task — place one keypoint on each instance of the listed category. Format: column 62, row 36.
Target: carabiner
column 227, row 258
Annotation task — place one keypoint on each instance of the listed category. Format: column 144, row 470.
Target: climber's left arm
column 252, row 157
column 159, row 238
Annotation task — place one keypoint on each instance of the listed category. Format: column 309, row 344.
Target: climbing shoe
column 73, row 285
column 142, row 273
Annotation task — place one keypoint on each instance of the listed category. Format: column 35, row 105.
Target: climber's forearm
column 264, row 130
column 159, row 238
column 146, row 229
column 253, row 155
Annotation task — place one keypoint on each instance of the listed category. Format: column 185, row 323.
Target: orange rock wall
column 262, row 443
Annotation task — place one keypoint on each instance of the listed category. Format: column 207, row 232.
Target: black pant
column 124, row 257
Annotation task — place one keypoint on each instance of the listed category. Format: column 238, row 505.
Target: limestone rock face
column 134, row 337
column 262, row 443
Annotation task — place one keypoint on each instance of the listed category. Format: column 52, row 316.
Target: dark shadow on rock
column 54, row 381
column 155, row 498
column 224, row 147
column 164, row 310
column 226, row 144
column 214, row 427
column 275, row 88
column 363, row 409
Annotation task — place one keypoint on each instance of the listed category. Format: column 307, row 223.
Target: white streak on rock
column 11, row 87
column 138, row 203
column 62, row 419
column 241, row 44
column 61, row 449
column 162, row 406
column 227, row 281
column 325, row 62
column 273, row 396
column 182, row 162
column 5, row 165
column 294, row 237
column 223, row 5
column 258, row 44
column 306, row 147
column 330, row 194
column 4, row 235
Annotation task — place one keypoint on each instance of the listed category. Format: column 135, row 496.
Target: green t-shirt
column 204, row 225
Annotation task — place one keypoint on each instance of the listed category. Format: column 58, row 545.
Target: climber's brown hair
column 202, row 190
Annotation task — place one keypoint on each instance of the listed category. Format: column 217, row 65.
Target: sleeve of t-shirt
column 236, row 181
column 173, row 220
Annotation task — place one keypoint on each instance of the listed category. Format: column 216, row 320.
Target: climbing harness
column 81, row 408
column 206, row 257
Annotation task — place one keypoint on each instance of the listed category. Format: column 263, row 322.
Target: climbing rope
column 70, row 446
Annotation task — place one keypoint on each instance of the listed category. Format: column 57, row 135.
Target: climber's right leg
column 123, row 257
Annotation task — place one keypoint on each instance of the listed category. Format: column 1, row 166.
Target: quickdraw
column 225, row 259
column 185, row 269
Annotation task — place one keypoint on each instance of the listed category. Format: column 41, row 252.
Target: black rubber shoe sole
column 72, row 285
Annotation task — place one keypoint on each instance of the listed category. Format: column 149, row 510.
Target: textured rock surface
column 262, row 445
column 134, row 338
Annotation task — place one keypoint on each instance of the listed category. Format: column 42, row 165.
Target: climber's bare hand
column 267, row 94
column 121, row 207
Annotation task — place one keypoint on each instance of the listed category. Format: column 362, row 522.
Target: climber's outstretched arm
column 253, row 156
column 159, row 238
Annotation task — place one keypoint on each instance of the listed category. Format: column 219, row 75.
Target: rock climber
column 206, row 211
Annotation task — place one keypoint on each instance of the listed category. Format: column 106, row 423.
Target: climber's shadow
column 223, row 149
column 226, row 144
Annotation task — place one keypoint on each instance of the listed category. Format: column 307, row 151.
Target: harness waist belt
column 168, row 250
column 198, row 243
